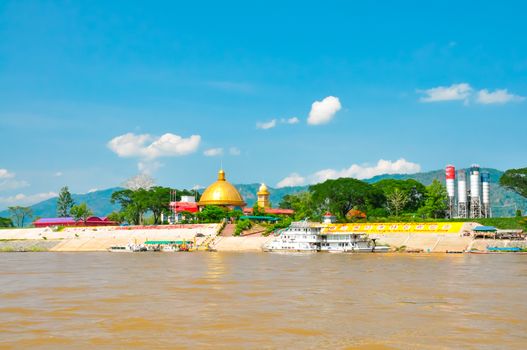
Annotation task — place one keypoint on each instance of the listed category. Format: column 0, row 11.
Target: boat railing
column 300, row 224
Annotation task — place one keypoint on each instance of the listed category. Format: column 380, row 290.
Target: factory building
column 473, row 201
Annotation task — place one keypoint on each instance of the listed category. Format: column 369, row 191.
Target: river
column 264, row 301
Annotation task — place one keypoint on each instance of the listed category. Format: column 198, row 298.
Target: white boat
column 120, row 249
column 169, row 248
column 299, row 237
column 129, row 248
column 345, row 242
column 306, row 236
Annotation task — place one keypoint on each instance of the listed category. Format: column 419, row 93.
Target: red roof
column 68, row 221
column 191, row 207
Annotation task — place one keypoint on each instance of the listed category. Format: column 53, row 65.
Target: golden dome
column 221, row 192
column 263, row 189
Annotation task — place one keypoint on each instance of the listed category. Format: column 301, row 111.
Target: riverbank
column 398, row 243
column 27, row 245
column 88, row 239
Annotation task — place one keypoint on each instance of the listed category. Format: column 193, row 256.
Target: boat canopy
column 166, row 242
column 258, row 217
column 485, row 229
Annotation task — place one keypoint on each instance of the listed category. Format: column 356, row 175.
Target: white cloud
column 266, row 125
column 400, row 166
column 453, row 92
column 58, row 174
column 213, row 152
column 91, row 190
column 146, row 146
column 8, row 181
column 292, row 120
column 499, row 96
column 274, row 122
column 234, row 151
column 323, row 111
column 364, row 171
column 25, row 200
column 197, row 187
column 5, row 174
column 293, row 179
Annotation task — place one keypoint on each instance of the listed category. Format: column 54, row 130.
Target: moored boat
column 306, row 236
column 129, row 248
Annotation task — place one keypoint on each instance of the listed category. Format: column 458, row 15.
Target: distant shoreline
column 97, row 239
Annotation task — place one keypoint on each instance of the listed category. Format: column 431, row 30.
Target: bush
column 6, row 222
column 284, row 223
column 241, row 226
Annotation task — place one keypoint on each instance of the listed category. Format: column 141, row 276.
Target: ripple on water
column 135, row 324
column 18, row 310
column 262, row 301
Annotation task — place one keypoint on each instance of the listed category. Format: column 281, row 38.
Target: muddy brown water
column 262, row 300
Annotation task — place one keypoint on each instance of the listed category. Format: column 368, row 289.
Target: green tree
column 158, row 201
column 414, row 190
column 20, row 214
column 64, row 202
column 257, row 211
column 6, row 222
column 436, row 201
column 116, row 216
column 341, row 195
column 301, row 203
column 138, row 202
column 516, row 180
column 81, row 212
column 133, row 204
column 212, row 213
column 396, row 201
column 187, row 217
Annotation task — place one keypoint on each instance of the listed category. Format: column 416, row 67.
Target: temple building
column 222, row 193
column 263, row 201
column 263, row 197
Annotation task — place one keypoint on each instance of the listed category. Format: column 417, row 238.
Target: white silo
column 485, row 193
column 450, row 174
column 462, row 204
column 475, row 201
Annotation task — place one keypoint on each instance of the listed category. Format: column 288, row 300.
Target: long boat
column 129, row 248
column 306, row 236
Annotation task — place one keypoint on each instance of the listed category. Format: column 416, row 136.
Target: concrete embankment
column 99, row 239
column 442, row 243
column 27, row 245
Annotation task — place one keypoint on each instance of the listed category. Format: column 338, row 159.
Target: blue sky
column 418, row 86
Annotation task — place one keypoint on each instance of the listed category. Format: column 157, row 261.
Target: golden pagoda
column 263, row 197
column 222, row 193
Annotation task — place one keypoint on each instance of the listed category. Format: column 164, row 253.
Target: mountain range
column 504, row 202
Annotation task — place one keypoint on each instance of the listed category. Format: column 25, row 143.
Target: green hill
column 98, row 201
column 504, row 202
